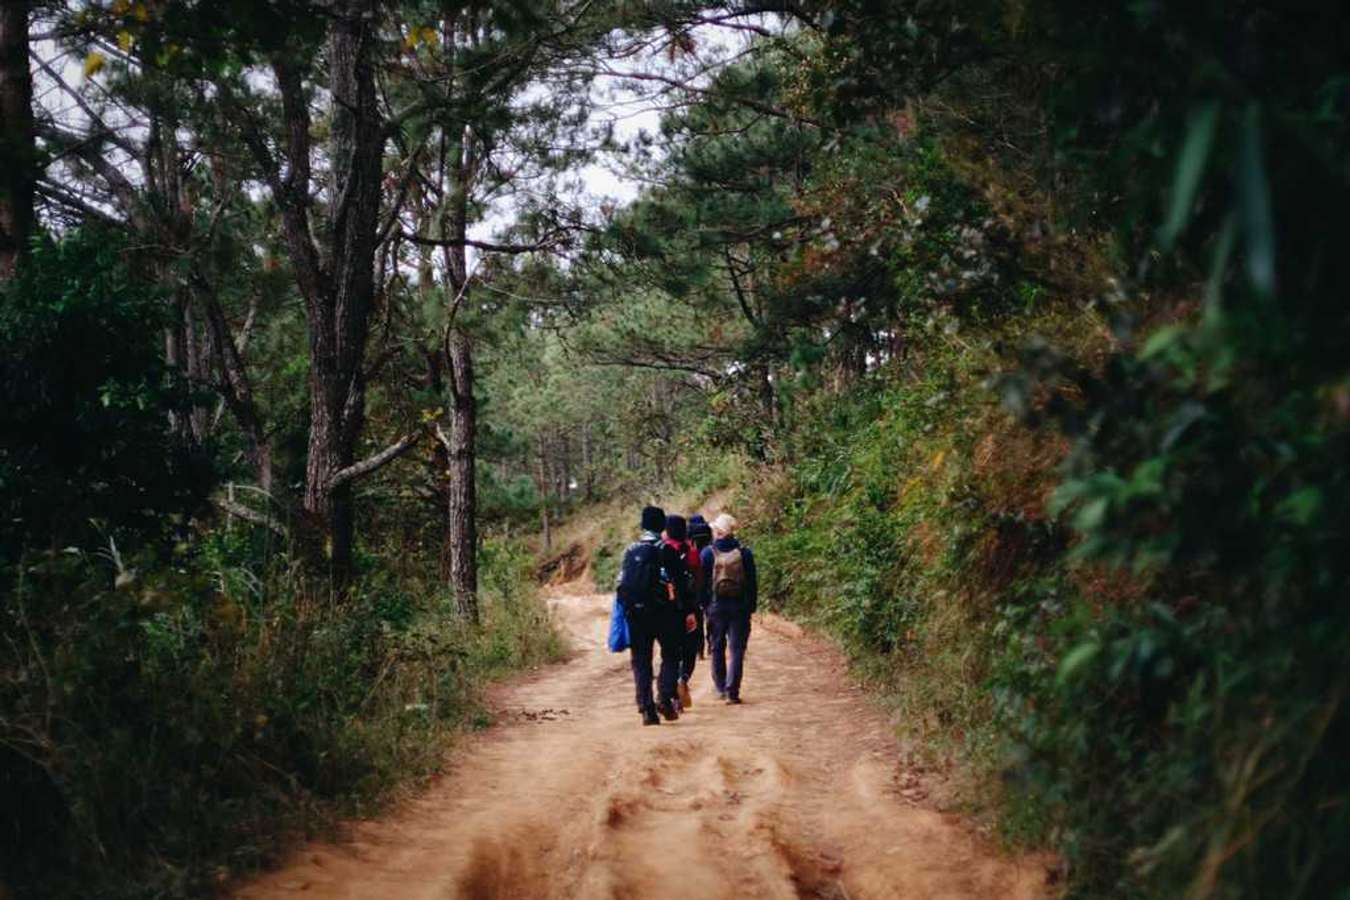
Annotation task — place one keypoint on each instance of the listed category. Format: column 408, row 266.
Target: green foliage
column 1192, row 741
column 167, row 726
column 85, row 400
column 854, row 229
column 1167, row 680
column 880, row 533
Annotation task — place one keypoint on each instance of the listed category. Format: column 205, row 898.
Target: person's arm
column 620, row 576
column 706, row 558
column 751, row 580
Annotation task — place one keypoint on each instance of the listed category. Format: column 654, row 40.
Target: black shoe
column 733, row 701
column 649, row 716
column 668, row 710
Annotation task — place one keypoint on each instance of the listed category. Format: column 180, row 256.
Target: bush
column 85, row 400
column 169, row 725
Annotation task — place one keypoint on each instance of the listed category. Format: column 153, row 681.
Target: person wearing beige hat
column 731, row 593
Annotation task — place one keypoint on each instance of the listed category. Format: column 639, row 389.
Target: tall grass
column 169, row 724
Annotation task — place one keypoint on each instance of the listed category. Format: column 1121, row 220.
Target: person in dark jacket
column 658, row 605
column 677, row 537
column 700, row 532
column 731, row 593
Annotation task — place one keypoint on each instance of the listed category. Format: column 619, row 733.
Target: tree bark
column 18, row 176
column 587, row 465
column 461, row 534
column 237, row 390
column 566, row 469
column 541, row 479
column 461, row 510
column 338, row 296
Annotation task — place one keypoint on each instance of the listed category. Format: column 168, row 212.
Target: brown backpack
column 728, row 574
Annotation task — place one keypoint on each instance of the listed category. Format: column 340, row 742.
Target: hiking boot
column 721, row 695
column 682, row 689
column 733, row 701
column 667, row 710
column 649, row 716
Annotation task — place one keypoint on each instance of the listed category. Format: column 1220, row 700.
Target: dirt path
column 792, row 794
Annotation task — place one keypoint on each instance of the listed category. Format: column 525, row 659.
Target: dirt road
column 795, row 793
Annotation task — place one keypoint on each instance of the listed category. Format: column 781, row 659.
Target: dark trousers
column 728, row 629
column 692, row 646
column 645, row 631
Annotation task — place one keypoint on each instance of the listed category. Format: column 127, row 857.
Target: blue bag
column 618, row 628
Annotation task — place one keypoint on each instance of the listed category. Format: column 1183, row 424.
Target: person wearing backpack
column 654, row 591
column 731, row 593
column 691, row 641
column 700, row 532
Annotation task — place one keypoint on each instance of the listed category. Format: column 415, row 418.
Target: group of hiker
column 682, row 585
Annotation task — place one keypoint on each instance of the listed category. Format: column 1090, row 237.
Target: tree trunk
column 541, row 479
column 237, row 390
column 199, row 414
column 768, row 403
column 340, row 316
column 461, row 526
column 587, row 465
column 461, row 535
column 18, row 175
column 566, row 469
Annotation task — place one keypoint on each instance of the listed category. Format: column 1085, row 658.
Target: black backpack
column 640, row 585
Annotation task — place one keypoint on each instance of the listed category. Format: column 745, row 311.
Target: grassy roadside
column 169, row 729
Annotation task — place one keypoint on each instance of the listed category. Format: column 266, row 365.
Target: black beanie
column 675, row 528
column 653, row 518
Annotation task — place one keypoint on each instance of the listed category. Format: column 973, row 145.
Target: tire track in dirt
column 793, row 794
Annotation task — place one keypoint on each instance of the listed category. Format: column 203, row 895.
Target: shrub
column 168, row 724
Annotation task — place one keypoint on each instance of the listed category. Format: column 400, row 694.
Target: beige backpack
column 728, row 574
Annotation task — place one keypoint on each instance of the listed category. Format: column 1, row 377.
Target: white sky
column 631, row 107
column 628, row 107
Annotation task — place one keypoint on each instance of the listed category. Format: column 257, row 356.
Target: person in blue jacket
column 731, row 593
column 658, row 605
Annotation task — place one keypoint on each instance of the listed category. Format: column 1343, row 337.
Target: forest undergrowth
column 1014, row 333
column 173, row 726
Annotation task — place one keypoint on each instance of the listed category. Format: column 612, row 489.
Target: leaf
column 1075, row 660
column 1093, row 513
column 1187, row 415
column 1302, row 506
column 94, row 62
column 1161, row 341
column 1254, row 202
column 1218, row 265
column 124, row 40
column 1191, row 164
column 1065, row 495
column 1147, row 478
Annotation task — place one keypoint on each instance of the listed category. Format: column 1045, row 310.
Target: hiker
column 677, row 538
column 730, row 595
column 700, row 532
column 654, row 591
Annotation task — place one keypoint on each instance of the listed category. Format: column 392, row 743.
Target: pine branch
column 372, row 463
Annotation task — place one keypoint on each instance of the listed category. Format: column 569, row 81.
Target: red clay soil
column 795, row 793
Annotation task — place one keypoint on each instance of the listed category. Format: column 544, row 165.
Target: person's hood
column 648, row 537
